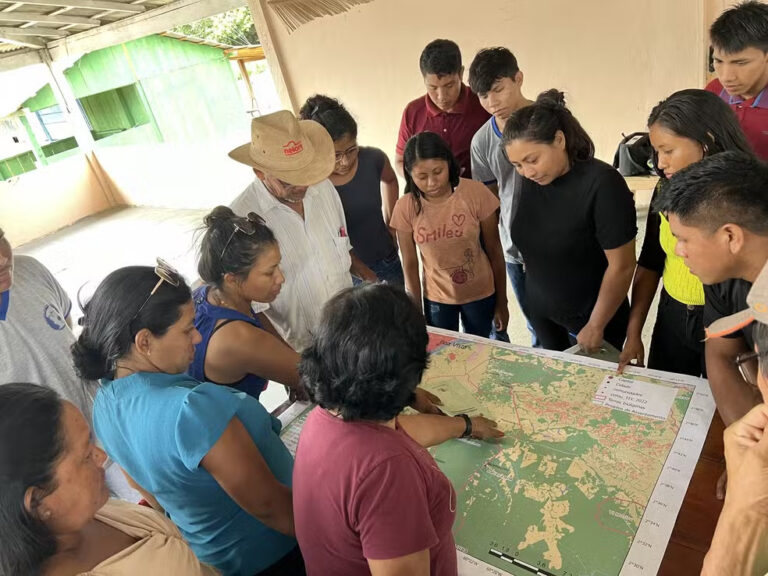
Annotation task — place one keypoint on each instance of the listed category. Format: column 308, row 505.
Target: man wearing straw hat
column 292, row 160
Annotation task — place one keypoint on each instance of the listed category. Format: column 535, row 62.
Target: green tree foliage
column 234, row 27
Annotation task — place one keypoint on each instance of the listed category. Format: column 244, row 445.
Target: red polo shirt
column 752, row 115
column 456, row 127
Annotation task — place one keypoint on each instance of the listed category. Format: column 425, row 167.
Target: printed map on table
column 591, row 473
column 592, row 470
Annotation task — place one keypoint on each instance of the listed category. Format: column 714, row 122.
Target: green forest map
column 565, row 490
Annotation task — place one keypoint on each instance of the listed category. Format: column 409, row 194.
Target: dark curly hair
column 112, row 318
column 740, row 27
column 31, row 443
column 729, row 187
column 368, row 353
column 331, row 114
column 441, row 58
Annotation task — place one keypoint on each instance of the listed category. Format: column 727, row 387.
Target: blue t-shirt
column 158, row 427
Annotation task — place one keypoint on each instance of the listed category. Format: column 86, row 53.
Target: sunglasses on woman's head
column 245, row 225
column 166, row 273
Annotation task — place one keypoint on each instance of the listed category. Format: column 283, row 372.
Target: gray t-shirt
column 490, row 165
column 35, row 340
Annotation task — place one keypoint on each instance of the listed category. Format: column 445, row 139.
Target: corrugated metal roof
column 33, row 23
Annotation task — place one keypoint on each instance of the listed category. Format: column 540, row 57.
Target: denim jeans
column 516, row 273
column 389, row 270
column 476, row 317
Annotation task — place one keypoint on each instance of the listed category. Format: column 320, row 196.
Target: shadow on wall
column 42, row 201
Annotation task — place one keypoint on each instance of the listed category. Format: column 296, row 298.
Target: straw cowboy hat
column 299, row 152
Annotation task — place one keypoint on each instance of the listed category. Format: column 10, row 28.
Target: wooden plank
column 153, row 21
column 91, row 4
column 701, row 509
column 33, row 31
column 19, row 41
column 713, row 446
column 680, row 560
column 47, row 18
column 272, row 51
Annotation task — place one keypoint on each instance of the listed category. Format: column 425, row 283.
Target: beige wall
column 615, row 59
column 175, row 175
column 44, row 200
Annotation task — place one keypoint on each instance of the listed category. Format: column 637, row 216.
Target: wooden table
column 698, row 516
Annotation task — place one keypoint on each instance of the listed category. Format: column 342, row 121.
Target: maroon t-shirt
column 456, row 127
column 362, row 490
column 752, row 115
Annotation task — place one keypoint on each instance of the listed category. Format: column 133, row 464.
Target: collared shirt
column 490, row 166
column 456, row 127
column 315, row 255
column 752, row 115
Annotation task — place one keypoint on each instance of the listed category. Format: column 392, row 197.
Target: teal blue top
column 158, row 427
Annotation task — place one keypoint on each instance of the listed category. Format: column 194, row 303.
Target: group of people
column 311, row 278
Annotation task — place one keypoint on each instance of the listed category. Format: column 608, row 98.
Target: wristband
column 467, row 426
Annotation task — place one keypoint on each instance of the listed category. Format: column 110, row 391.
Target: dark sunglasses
column 245, row 225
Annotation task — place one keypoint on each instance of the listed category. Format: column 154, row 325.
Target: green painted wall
column 186, row 92
column 17, row 165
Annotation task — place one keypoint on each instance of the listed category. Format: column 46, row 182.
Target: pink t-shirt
column 456, row 268
column 362, row 490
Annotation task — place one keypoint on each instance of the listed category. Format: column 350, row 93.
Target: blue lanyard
column 5, row 301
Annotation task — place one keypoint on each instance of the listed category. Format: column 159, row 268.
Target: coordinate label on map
column 636, row 397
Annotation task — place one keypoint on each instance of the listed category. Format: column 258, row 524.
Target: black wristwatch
column 467, row 426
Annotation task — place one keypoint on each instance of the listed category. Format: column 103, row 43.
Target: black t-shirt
column 652, row 255
column 361, row 199
column 562, row 231
column 724, row 299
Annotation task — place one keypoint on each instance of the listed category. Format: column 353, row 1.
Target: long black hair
column 427, row 146
column 112, row 318
column 331, row 114
column 31, row 442
column 368, row 353
column 224, row 251
column 540, row 122
column 700, row 116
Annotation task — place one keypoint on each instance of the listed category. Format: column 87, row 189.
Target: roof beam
column 33, row 31
column 47, row 18
column 91, row 4
column 16, row 41
column 154, row 21
column 19, row 59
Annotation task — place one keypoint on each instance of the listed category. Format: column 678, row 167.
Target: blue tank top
column 206, row 317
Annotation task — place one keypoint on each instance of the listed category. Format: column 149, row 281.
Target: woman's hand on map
column 633, row 350
column 590, row 338
column 485, row 429
column 426, row 402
